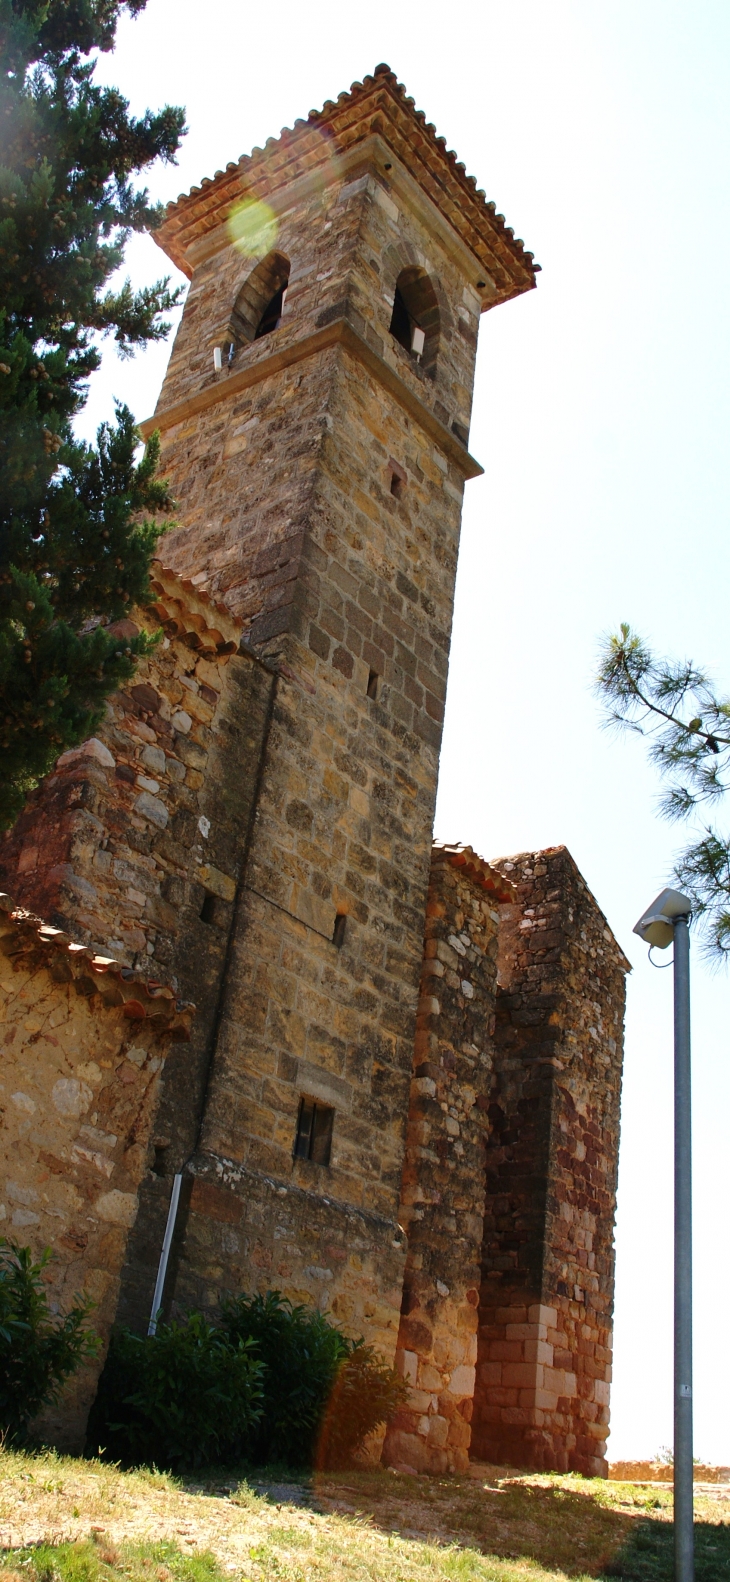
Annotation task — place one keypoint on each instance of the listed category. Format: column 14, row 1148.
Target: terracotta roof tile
column 141, row 999
column 190, row 614
column 480, row 871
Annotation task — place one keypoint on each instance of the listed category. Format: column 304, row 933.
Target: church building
column 260, row 1032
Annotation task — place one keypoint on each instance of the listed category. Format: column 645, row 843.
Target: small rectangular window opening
column 338, row 932
column 314, row 1132
column 372, row 687
column 398, row 479
column 209, row 911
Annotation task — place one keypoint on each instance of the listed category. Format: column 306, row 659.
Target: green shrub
column 274, row 1383
column 323, row 1393
column 38, row 1349
column 302, row 1353
column 187, row 1396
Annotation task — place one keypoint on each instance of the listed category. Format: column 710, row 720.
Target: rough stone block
column 462, row 1381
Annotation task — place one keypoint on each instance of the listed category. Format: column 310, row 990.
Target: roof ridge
column 385, row 72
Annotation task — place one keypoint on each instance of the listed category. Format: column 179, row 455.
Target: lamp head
column 656, row 924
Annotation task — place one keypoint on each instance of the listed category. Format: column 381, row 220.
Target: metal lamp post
column 664, row 922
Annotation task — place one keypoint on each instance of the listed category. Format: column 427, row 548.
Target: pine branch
column 674, row 706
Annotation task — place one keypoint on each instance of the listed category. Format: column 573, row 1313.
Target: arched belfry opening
column 416, row 321
column 260, row 302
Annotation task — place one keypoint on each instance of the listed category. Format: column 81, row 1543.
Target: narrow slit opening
column 338, row 932
column 372, row 686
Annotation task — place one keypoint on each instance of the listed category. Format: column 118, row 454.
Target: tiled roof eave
column 482, row 873
column 24, row 936
column 378, row 104
column 191, row 613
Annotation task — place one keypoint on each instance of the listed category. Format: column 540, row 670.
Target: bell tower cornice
column 340, row 333
column 325, row 148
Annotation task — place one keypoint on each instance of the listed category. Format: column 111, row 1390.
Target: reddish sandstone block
column 538, row 1351
column 516, row 1416
column 499, row 1395
column 505, row 1351
column 547, row 1400
column 523, row 1374
column 510, row 1315
column 539, row 1314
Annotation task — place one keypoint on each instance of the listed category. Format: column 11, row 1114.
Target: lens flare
column 253, row 227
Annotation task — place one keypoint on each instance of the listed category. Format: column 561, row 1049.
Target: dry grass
column 348, row 1527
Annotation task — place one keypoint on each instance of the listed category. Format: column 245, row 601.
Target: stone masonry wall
column 442, row 1201
column 139, row 823
column 544, row 1366
column 84, row 1043
column 248, row 1231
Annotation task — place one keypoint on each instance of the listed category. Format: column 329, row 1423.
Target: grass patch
column 73, row 1520
column 96, row 1559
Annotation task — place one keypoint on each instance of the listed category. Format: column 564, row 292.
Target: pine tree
column 78, row 524
column 675, row 706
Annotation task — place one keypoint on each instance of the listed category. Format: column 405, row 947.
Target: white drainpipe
column 165, row 1254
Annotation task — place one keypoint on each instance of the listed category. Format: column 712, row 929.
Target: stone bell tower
column 314, row 422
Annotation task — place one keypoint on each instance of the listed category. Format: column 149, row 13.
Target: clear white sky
column 601, row 417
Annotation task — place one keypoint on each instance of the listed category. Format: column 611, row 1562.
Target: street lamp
column 667, row 920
